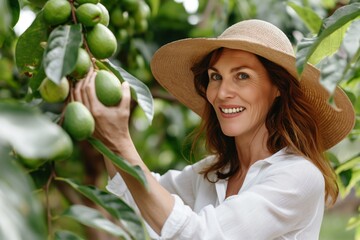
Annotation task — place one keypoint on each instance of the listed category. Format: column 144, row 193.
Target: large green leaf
column 29, row 48
column 61, row 51
column 134, row 171
column 330, row 34
column 115, row 206
column 32, row 134
column 308, row 16
column 21, row 213
column 93, row 218
column 143, row 94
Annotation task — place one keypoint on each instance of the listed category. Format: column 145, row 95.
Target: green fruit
column 88, row 14
column 87, row 1
column 105, row 18
column 78, row 121
column 143, row 12
column 118, row 17
column 108, row 88
column 82, row 65
column 52, row 92
column 57, row 11
column 101, row 41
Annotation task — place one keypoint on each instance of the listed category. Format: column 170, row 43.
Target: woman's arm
column 112, row 129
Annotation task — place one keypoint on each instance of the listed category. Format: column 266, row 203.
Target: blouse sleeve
column 283, row 201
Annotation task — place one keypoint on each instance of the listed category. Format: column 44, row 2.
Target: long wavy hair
column 290, row 123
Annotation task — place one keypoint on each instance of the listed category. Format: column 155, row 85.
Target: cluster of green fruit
column 128, row 17
column 101, row 44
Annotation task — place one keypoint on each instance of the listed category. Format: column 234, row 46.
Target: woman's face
column 241, row 93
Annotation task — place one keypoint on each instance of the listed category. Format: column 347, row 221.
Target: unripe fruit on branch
column 108, row 88
column 52, row 92
column 101, row 41
column 105, row 18
column 78, row 121
column 88, row 14
column 82, row 65
column 57, row 12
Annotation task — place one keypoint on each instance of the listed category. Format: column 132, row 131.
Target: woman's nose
column 226, row 90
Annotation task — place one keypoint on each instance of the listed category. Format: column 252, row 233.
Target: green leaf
column 66, row 235
column 115, row 206
column 29, row 51
column 330, row 34
column 22, row 215
column 134, row 171
column 15, row 11
column 36, row 79
column 348, row 165
column 308, row 16
column 354, row 180
column 61, row 51
column 143, row 94
column 353, row 223
column 329, row 45
column 93, row 218
column 32, row 134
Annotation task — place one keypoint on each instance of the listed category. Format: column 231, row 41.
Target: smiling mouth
column 232, row 110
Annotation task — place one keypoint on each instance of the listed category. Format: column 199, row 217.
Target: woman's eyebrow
column 235, row 69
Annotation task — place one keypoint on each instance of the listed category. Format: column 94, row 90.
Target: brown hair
column 289, row 123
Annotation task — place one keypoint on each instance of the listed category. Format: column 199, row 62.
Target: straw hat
column 171, row 67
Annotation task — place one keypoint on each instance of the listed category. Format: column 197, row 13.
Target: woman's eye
column 242, row 76
column 215, row 76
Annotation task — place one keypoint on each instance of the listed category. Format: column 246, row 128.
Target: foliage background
column 164, row 143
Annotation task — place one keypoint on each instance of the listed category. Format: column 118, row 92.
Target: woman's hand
column 111, row 122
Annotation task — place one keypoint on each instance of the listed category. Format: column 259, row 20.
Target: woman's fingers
column 126, row 96
column 79, row 93
column 89, row 91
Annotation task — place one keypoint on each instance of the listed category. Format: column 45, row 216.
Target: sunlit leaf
column 93, row 218
column 61, row 51
column 115, row 206
column 308, row 16
column 143, row 94
column 353, row 222
column 332, row 30
column 329, row 45
column 22, row 216
column 134, row 171
column 32, row 134
column 351, row 164
column 29, row 50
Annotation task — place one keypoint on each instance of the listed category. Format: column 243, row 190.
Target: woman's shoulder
column 297, row 166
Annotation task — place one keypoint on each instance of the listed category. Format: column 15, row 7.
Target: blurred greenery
column 141, row 27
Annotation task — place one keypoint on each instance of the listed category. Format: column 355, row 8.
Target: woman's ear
column 277, row 93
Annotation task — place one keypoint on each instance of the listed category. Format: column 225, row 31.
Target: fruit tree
column 52, row 178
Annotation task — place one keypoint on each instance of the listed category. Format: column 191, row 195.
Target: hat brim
column 171, row 67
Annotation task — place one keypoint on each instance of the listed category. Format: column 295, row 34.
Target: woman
column 266, row 132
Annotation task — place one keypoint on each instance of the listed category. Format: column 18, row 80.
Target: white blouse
column 282, row 197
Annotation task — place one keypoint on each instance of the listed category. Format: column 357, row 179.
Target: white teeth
column 232, row 110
